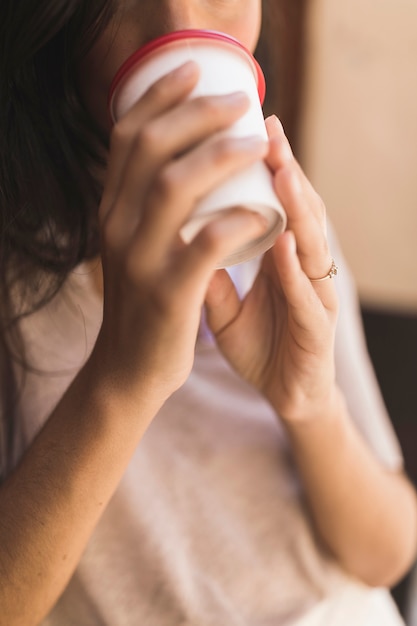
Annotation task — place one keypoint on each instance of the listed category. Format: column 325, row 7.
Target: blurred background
column 351, row 113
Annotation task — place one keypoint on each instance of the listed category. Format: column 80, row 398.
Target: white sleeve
column 355, row 373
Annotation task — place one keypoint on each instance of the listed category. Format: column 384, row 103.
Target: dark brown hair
column 49, row 147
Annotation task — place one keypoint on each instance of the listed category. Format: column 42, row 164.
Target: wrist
column 323, row 432
column 314, row 411
column 115, row 399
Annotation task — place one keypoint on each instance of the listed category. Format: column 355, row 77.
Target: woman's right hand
column 159, row 165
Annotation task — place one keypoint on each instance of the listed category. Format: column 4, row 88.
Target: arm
column 50, row 505
column 281, row 338
column 153, row 293
column 366, row 514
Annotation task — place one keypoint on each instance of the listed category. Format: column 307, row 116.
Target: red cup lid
column 179, row 35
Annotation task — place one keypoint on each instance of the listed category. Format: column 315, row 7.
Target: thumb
column 222, row 302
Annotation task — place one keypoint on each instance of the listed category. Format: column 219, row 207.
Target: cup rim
column 179, row 35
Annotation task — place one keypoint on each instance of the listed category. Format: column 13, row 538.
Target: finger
column 168, row 136
column 305, row 210
column 180, row 186
column 280, row 155
column 222, row 301
column 281, row 152
column 306, row 304
column 159, row 141
column 194, row 267
column 162, row 96
column 312, row 245
column 182, row 127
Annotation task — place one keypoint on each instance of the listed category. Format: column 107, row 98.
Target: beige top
column 208, row 525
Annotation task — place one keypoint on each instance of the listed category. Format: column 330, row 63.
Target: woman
column 168, row 470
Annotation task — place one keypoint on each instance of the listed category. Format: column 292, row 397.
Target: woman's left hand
column 280, row 337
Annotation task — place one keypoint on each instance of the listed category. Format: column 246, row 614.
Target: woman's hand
column 281, row 336
column 159, row 165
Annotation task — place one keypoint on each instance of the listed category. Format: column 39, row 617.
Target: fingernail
column 236, row 98
column 186, row 70
column 276, row 123
column 253, row 143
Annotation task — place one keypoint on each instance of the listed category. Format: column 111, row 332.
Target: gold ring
column 330, row 274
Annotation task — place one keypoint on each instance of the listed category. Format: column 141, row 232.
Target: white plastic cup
column 226, row 66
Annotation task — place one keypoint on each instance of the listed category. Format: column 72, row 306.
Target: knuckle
column 222, row 150
column 160, row 90
column 209, row 108
column 325, row 251
column 321, row 206
column 120, row 134
column 147, row 139
column 110, row 231
column 144, row 141
column 208, row 240
column 167, row 183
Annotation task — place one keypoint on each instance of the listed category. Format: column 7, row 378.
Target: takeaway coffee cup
column 225, row 66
